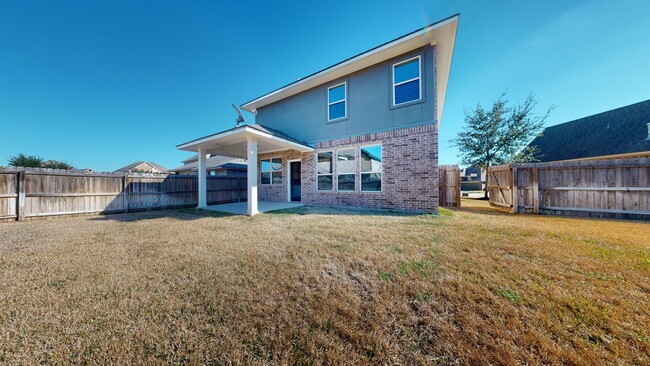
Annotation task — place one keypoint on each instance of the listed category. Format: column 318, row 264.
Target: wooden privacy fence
column 34, row 192
column 449, row 186
column 616, row 188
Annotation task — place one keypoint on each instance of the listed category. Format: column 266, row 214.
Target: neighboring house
column 361, row 133
column 215, row 165
column 142, row 167
column 619, row 133
column 472, row 178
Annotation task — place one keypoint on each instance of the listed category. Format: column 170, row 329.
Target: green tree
column 27, row 161
column 33, row 161
column 499, row 135
column 57, row 165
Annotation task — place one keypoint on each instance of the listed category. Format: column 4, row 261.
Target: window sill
column 342, row 119
column 406, row 104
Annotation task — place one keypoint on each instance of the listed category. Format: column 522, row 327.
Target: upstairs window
column 271, row 171
column 336, row 102
column 324, row 171
column 370, row 167
column 345, row 170
column 407, row 81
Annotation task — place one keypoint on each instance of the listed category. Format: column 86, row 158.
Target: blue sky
column 101, row 84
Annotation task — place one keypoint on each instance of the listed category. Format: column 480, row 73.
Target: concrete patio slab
column 240, row 208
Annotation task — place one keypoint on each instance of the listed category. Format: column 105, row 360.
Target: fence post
column 443, row 186
column 535, row 190
column 20, row 199
column 513, row 190
column 458, row 195
column 125, row 191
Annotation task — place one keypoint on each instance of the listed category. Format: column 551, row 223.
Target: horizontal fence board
column 578, row 209
column 73, row 194
column 578, row 188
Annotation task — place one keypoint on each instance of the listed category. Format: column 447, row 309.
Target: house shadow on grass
column 182, row 214
column 339, row 211
column 191, row 213
column 480, row 206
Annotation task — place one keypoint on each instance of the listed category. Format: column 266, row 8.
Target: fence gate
column 449, row 187
column 499, row 184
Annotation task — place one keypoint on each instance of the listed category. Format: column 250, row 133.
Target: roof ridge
column 601, row 113
column 456, row 15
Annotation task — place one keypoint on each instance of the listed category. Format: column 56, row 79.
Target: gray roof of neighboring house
column 619, row 131
column 192, row 158
column 132, row 166
column 213, row 162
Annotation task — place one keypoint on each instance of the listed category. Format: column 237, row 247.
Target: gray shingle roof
column 213, row 162
column 619, row 131
column 279, row 134
column 131, row 166
column 261, row 128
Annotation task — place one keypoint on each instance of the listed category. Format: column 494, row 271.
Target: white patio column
column 251, row 155
column 203, row 184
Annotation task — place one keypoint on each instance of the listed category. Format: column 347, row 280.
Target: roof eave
column 442, row 34
column 245, row 130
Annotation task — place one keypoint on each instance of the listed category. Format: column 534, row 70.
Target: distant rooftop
column 159, row 168
column 213, row 162
column 618, row 131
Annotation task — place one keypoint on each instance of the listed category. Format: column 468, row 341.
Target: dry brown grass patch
column 325, row 286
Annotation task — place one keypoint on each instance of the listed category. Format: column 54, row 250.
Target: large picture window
column 336, row 102
column 407, row 81
column 345, row 170
column 324, row 171
column 370, row 168
column 271, row 171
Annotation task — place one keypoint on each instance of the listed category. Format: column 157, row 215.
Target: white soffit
column 441, row 34
column 233, row 143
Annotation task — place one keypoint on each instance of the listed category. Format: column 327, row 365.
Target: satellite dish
column 240, row 116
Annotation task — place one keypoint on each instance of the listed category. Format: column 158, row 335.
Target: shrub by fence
column 34, row 192
column 616, row 188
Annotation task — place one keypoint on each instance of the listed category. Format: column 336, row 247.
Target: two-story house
column 361, row 133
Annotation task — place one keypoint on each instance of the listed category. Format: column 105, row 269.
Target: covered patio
column 244, row 142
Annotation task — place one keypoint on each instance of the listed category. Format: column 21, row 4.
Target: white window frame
column 381, row 171
column 419, row 79
column 336, row 156
column 344, row 100
column 271, row 171
column 331, row 173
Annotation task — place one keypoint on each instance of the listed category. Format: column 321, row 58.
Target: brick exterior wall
column 277, row 192
column 409, row 172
